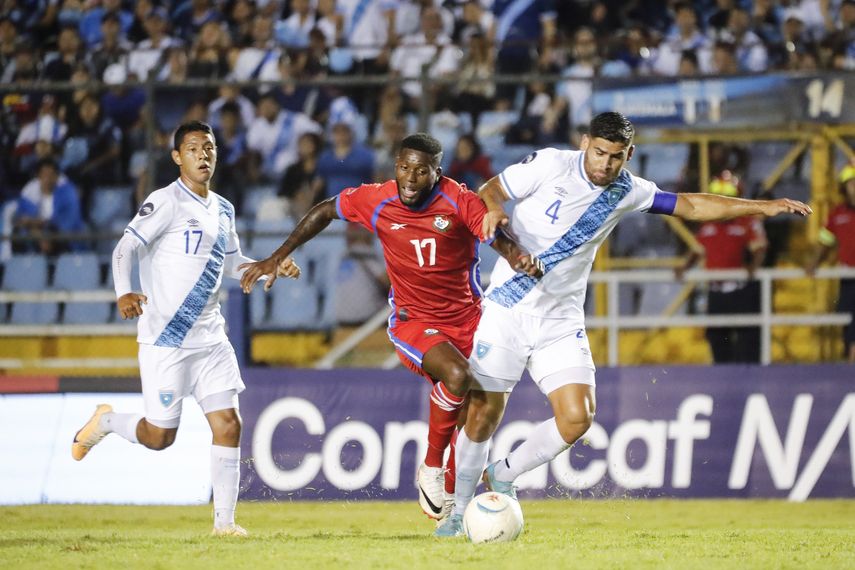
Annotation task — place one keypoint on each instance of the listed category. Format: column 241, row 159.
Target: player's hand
column 786, row 206
column 531, row 265
column 256, row 270
column 289, row 268
column 492, row 220
column 130, row 305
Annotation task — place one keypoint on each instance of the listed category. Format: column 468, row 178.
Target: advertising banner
column 762, row 100
column 724, row 431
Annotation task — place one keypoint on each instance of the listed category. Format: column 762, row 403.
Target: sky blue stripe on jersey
column 376, row 213
column 133, row 231
column 185, row 317
column 514, row 289
column 450, row 201
column 507, row 186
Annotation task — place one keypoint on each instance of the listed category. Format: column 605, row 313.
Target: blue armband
column 663, row 203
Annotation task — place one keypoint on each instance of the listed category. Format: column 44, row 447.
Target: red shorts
column 412, row 340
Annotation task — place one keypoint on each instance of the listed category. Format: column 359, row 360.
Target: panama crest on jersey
column 441, row 223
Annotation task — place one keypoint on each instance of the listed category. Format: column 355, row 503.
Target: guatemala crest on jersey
column 482, row 348
column 441, row 223
column 614, row 195
column 166, row 397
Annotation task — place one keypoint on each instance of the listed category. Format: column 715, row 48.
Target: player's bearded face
column 416, row 173
column 197, row 156
column 604, row 159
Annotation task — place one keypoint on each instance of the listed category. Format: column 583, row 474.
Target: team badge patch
column 482, row 348
column 146, row 209
column 614, row 196
column 166, row 397
column 441, row 223
column 430, row 332
column 529, row 158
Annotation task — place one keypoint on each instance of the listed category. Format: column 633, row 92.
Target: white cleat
column 447, row 507
column 431, row 483
column 230, row 530
column 90, row 434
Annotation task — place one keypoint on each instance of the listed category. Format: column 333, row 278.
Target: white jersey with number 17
column 558, row 214
column 186, row 241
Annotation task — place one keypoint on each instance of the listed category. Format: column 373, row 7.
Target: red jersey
column 726, row 242
column 431, row 252
column 841, row 223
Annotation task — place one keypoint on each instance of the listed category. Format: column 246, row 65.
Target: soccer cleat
column 495, row 485
column 230, row 530
column 90, row 434
column 447, row 507
column 453, row 526
column 431, row 482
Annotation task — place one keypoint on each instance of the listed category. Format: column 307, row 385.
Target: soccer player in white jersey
column 185, row 238
column 565, row 203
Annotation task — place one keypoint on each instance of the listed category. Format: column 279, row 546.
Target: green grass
column 559, row 534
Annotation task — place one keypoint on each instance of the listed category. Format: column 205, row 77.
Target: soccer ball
column 492, row 517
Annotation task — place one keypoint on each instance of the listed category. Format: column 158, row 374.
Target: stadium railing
column 612, row 321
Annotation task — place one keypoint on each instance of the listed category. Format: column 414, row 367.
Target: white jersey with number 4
column 186, row 240
column 558, row 214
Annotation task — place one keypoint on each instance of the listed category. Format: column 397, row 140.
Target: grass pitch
column 558, row 534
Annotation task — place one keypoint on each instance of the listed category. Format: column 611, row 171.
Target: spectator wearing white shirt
column 685, row 36
column 252, row 61
column 273, row 136
column 751, row 54
column 432, row 48
column 293, row 32
column 149, row 52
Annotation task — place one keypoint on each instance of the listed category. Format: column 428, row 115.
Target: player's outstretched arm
column 494, row 196
column 129, row 304
column 709, row 207
column 311, row 225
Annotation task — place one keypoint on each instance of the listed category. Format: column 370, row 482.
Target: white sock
column 225, row 478
column 469, row 462
column 124, row 425
column 542, row 445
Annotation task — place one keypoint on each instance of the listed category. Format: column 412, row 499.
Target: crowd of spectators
column 310, row 140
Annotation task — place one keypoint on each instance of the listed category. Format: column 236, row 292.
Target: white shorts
column 171, row 374
column 508, row 342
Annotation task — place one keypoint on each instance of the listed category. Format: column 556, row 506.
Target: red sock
column 449, row 467
column 444, row 410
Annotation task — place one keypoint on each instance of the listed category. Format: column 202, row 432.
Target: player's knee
column 159, row 439
column 574, row 421
column 228, row 428
column 458, row 378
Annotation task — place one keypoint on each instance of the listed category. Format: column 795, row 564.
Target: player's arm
column 313, row 223
column 129, row 303
column 518, row 258
column 494, row 196
column 709, row 207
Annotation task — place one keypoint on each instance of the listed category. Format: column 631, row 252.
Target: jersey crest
column 441, row 224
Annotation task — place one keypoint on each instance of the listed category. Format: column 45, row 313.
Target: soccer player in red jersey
column 430, row 227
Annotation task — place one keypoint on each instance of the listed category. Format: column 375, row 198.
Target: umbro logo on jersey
column 560, row 191
column 192, row 222
column 398, row 226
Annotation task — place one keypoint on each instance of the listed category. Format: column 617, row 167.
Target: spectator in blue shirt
column 346, row 163
column 49, row 204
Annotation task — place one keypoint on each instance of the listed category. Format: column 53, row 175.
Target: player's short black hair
column 613, row 127
column 190, row 127
column 47, row 162
column 423, row 142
